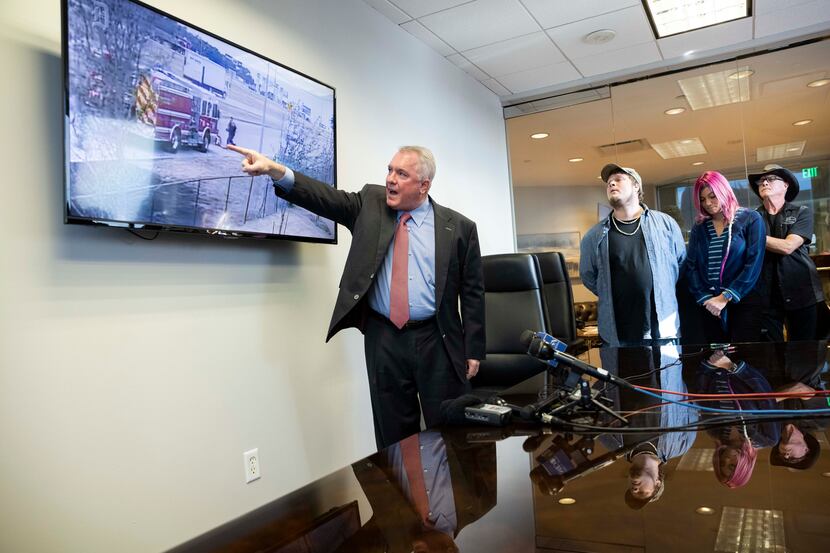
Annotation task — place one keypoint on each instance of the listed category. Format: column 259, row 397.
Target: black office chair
column 559, row 300
column 514, row 303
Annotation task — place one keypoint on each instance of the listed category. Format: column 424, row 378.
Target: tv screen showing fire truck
column 152, row 102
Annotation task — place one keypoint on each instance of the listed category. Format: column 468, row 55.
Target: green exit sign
column 809, row 172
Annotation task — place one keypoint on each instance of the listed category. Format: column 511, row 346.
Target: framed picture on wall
column 565, row 242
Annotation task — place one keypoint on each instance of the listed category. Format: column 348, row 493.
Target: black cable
column 131, row 231
column 713, row 422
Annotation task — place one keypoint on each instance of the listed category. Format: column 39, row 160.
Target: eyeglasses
column 770, row 179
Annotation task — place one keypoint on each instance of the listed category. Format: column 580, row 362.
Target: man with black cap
column 631, row 261
column 789, row 273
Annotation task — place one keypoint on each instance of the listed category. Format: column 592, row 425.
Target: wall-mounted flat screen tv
column 152, row 101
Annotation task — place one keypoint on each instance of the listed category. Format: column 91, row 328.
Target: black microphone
column 541, row 349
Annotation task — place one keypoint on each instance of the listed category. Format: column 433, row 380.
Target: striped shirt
column 716, row 251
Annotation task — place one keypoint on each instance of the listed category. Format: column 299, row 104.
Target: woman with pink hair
column 736, row 445
column 723, row 262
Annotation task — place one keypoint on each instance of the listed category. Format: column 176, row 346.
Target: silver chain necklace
column 639, row 222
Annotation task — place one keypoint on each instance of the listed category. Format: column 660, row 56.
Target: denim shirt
column 666, row 252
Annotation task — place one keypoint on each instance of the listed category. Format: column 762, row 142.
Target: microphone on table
column 545, row 347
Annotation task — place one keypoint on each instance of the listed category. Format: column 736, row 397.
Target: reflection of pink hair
column 723, row 192
column 743, row 468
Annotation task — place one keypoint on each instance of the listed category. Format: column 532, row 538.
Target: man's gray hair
column 426, row 161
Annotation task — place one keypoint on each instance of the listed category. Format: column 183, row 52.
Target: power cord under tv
column 131, row 231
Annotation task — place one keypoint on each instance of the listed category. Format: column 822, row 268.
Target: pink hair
column 743, row 468
column 719, row 186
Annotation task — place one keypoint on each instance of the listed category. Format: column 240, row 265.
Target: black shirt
column 792, row 279
column 632, row 288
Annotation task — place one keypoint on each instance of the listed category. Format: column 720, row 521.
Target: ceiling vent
column 625, row 147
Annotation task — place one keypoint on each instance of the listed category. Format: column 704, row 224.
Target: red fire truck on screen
column 179, row 116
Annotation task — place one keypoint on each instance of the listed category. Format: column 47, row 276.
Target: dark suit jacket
column 458, row 274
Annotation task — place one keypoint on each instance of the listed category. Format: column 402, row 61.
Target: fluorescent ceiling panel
column 716, row 89
column 697, row 459
column 670, row 17
column 684, row 147
column 780, row 151
column 751, row 530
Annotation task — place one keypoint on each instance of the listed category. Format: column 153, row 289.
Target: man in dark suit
column 404, row 299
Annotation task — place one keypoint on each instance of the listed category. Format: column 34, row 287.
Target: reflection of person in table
column 798, row 448
column 736, row 446
column 656, row 367
column 423, row 491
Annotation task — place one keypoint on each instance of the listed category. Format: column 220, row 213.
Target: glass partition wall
column 735, row 117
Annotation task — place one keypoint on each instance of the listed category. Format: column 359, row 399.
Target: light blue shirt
column 421, row 264
column 437, row 479
column 666, row 253
column 421, row 267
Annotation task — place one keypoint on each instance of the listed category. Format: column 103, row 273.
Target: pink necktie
column 399, row 288
column 411, row 453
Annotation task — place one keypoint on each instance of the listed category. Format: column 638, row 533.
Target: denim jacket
column 743, row 264
column 666, row 252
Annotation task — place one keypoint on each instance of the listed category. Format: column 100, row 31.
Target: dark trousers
column 403, row 366
column 801, row 323
column 743, row 323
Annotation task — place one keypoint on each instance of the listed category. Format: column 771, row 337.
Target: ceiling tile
column 552, row 14
column 709, row 38
column 420, row 8
column 760, row 7
column 481, row 22
column 496, row 87
column 539, row 77
column 630, row 24
column 515, row 54
column 468, row 67
column 389, row 10
column 787, row 17
column 625, row 58
column 422, row 33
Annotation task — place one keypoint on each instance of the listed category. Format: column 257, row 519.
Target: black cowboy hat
column 785, row 174
column 808, row 461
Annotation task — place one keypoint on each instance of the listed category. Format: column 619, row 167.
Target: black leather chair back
column 559, row 299
column 513, row 302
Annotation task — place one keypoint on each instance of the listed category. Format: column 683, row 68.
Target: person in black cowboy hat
column 789, row 274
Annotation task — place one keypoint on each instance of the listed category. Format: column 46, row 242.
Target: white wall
column 134, row 374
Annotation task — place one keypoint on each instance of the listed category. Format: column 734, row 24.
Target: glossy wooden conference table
column 529, row 487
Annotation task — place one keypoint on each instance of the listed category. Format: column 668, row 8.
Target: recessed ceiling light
column 567, row 501
column 826, row 474
column 599, row 37
column 793, row 149
column 674, row 111
column 670, row 17
column 687, row 141
column 705, row 511
column 741, row 74
column 803, row 122
column 539, row 135
column 696, row 163
column 688, row 52
column 575, row 159
column 818, row 83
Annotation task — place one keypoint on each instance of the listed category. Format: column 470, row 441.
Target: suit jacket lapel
column 444, row 233
column 388, row 218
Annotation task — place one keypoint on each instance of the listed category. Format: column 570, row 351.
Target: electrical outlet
column 252, row 470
